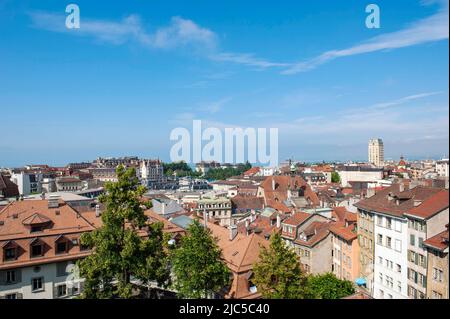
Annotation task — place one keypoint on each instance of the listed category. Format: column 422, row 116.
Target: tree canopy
column 328, row 286
column 197, row 264
column 119, row 253
column 278, row 274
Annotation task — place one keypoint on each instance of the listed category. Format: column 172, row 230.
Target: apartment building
column 345, row 250
column 39, row 242
column 365, row 222
column 399, row 214
column 438, row 279
column 309, row 236
column 425, row 220
column 376, row 152
column 218, row 208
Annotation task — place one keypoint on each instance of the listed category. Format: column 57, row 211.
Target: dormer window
column 10, row 251
column 61, row 245
column 36, row 229
column 36, row 248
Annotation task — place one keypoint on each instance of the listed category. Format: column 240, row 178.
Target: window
column 11, row 296
column 398, row 245
column 399, row 286
column 11, row 276
column 10, row 254
column 399, row 268
column 379, row 221
column 438, row 275
column 36, row 250
column 423, row 261
column 61, row 247
column 381, row 278
column 388, row 242
column 412, row 240
column 61, row 290
column 380, row 239
column 388, row 223
column 381, row 294
column 36, row 229
column 380, row 260
column 420, row 242
column 37, row 284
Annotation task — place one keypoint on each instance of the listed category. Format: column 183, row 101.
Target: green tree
column 328, row 286
column 197, row 264
column 119, row 253
column 278, row 274
column 335, row 178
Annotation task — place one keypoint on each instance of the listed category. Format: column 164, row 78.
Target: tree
column 335, row 178
column 197, row 264
column 328, row 286
column 278, row 274
column 119, row 252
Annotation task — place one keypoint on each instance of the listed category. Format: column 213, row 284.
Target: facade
column 402, row 218
column 151, row 173
column 345, row 250
column 217, row 208
column 309, row 236
column 39, row 242
column 376, row 152
column 7, row 188
column 69, row 184
column 442, row 167
column 438, row 279
column 350, row 174
column 28, row 183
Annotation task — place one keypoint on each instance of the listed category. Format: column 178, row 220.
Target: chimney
column 246, row 223
column 205, row 218
column 401, row 187
column 273, row 183
column 253, row 216
column 233, row 231
column 97, row 210
column 53, row 201
column 278, row 221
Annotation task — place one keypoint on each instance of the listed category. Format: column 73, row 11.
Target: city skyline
column 312, row 69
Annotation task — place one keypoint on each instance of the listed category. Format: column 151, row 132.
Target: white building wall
column 50, row 280
column 390, row 262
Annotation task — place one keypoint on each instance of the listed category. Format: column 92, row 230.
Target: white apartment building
column 442, row 167
column 403, row 219
column 28, row 183
column 376, row 152
column 390, row 260
column 349, row 173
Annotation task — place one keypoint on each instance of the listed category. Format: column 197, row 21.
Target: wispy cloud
column 184, row 32
column 433, row 28
column 246, row 59
column 180, row 32
column 215, row 106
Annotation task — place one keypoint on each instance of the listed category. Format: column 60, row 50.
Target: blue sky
column 137, row 69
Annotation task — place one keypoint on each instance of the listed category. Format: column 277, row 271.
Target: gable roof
column 439, row 241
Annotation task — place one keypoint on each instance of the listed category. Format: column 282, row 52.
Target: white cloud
column 185, row 32
column 180, row 32
column 433, row 28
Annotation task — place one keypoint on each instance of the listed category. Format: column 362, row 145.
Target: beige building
column 438, row 280
column 218, row 208
column 366, row 247
column 376, row 152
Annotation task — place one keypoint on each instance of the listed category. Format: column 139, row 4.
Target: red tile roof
column 393, row 201
column 431, row 206
column 439, row 241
